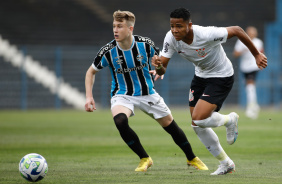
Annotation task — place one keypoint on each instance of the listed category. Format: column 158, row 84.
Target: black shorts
column 250, row 75
column 213, row 90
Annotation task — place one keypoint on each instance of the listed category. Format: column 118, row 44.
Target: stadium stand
column 41, row 74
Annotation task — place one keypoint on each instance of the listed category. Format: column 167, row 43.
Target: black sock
column 180, row 139
column 129, row 136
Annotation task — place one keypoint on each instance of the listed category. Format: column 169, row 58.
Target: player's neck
column 189, row 37
column 126, row 43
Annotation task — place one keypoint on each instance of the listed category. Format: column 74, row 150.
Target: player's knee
column 202, row 123
column 198, row 116
column 121, row 121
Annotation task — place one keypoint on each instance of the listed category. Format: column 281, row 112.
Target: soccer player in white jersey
column 249, row 68
column 213, row 77
column 128, row 57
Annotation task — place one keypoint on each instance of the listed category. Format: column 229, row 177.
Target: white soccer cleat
column 224, row 169
column 232, row 128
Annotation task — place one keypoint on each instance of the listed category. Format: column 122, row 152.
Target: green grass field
column 83, row 147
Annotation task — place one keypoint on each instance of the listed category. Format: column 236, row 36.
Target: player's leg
column 121, row 113
column 253, row 108
column 203, row 115
column 206, row 97
column 177, row 134
column 209, row 138
column 155, row 106
column 179, row 137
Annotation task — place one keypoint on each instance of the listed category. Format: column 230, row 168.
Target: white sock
column 251, row 94
column 209, row 138
column 215, row 120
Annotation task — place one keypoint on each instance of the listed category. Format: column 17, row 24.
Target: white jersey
column 248, row 61
column 205, row 52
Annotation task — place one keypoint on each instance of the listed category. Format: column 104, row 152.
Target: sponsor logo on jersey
column 145, row 39
column 166, row 47
column 218, row 39
column 105, row 49
column 127, row 70
column 201, row 52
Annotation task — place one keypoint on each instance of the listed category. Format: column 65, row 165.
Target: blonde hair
column 124, row 15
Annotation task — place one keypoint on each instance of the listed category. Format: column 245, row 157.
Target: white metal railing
column 41, row 74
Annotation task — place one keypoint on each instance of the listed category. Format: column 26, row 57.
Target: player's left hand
column 156, row 75
column 261, row 61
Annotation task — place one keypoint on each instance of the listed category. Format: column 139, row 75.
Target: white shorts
column 153, row 105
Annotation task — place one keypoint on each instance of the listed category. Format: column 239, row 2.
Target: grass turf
column 85, row 147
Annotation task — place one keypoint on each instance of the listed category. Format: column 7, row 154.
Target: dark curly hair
column 181, row 13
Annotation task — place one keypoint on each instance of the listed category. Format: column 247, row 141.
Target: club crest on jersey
column 201, row 52
column 119, row 60
column 140, row 57
column 191, row 96
column 166, row 47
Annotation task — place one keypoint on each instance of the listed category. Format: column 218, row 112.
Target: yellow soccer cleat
column 197, row 163
column 144, row 164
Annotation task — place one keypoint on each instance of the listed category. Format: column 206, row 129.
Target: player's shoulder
column 202, row 32
column 169, row 34
column 144, row 39
column 106, row 48
column 200, row 28
column 204, row 29
column 212, row 33
column 169, row 38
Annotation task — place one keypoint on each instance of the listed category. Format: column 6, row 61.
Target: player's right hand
column 261, row 60
column 90, row 104
column 156, row 61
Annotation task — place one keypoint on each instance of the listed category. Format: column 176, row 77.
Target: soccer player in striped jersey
column 213, row 77
column 128, row 57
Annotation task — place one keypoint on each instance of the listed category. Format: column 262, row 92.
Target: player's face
column 252, row 32
column 121, row 31
column 179, row 28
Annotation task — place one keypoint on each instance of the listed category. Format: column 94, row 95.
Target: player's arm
column 160, row 64
column 89, row 83
column 237, row 31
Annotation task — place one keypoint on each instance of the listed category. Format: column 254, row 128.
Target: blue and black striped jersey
column 129, row 68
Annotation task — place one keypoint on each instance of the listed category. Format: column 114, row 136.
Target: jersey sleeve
column 154, row 50
column 99, row 63
column 168, row 49
column 100, row 60
column 217, row 35
column 149, row 44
